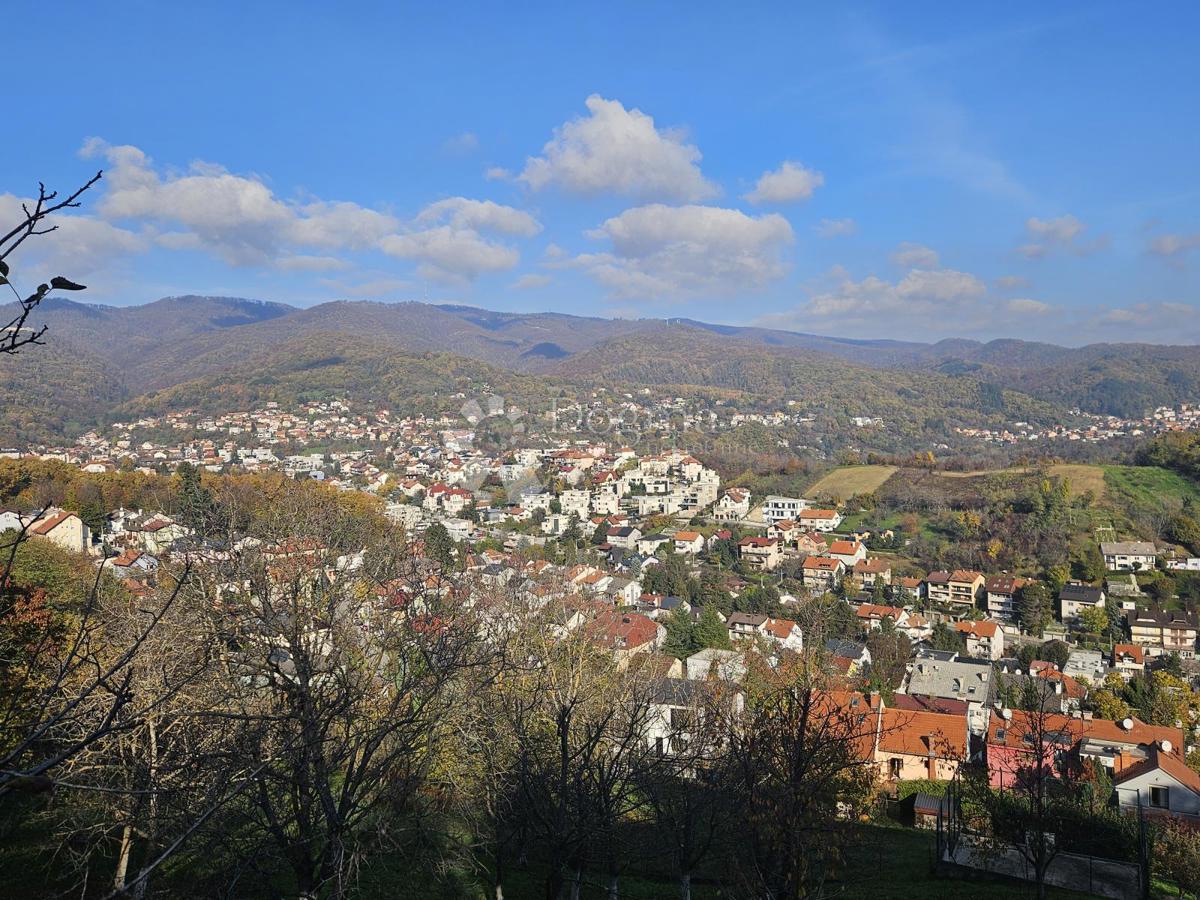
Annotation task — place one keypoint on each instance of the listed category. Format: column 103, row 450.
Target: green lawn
column 1148, row 485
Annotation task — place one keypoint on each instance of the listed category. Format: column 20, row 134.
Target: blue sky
column 894, row 170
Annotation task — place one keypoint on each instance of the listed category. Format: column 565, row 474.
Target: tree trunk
column 685, row 886
column 123, row 857
column 576, row 882
column 614, row 888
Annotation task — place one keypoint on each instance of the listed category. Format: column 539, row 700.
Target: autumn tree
column 799, row 757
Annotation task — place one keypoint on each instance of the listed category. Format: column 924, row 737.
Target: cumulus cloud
column 497, row 173
column 237, row 217
column 82, row 244
column 664, row 252
column 1027, row 307
column 532, row 280
column 619, row 150
column 790, row 183
column 449, row 253
column 481, row 214
column 831, row 228
column 920, row 291
column 241, row 220
column 909, row 255
column 1062, row 233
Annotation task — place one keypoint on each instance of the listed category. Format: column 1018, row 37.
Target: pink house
column 1012, row 745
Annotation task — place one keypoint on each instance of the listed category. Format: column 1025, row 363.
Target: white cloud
column 481, row 214
column 240, row 219
column 908, row 255
column 81, row 244
column 497, row 173
column 619, row 150
column 661, row 252
column 919, row 292
column 1026, row 306
column 831, row 228
column 1063, row 233
column 1062, row 230
column 532, row 280
column 451, row 253
column 790, row 183
column 1174, row 245
column 237, row 217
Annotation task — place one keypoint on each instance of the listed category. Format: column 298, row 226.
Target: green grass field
column 1148, row 485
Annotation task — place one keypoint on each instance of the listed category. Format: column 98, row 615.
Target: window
column 895, row 767
column 1160, row 797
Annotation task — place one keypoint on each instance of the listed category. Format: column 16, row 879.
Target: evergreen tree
column 681, row 639
column 1034, row 610
column 195, row 502
column 710, row 631
column 439, row 546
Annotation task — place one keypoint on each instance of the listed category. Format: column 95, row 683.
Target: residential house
column 733, row 505
column 962, row 587
column 727, row 665
column 849, row 552
column 1122, row 555
column 650, row 544
column 785, row 633
column 63, row 528
column 944, row 675
column 915, row 746
column 760, row 552
column 627, row 633
column 1119, row 745
column 1074, row 598
column 1164, row 630
column 848, row 657
column 1013, row 745
column 820, row 519
column 675, row 706
column 688, row 542
column 1000, row 595
column 1128, row 660
column 871, row 615
column 1085, row 664
column 869, row 572
column 624, row 536
column 1161, row 785
column 822, row 572
column 984, row 639
column 745, row 625
column 775, row 508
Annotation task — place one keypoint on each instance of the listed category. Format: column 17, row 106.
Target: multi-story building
column 775, row 508
column 1164, row 630
column 1120, row 555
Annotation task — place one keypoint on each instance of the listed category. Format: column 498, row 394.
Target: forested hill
column 99, row 357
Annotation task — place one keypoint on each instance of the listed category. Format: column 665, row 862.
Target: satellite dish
column 1006, row 713
column 1127, row 724
column 1166, row 746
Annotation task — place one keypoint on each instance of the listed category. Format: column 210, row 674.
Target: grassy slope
column 1148, row 484
column 849, row 480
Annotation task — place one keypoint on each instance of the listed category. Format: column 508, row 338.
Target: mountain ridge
column 127, row 352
